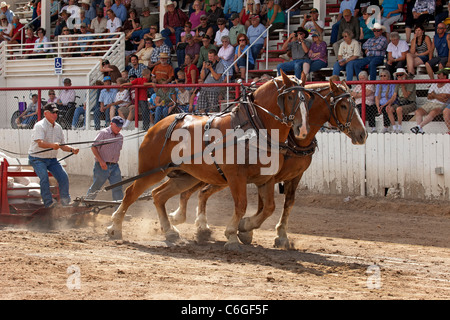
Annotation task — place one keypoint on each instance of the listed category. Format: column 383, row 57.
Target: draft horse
column 332, row 103
column 279, row 105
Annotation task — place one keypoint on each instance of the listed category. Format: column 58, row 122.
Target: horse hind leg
column 203, row 230
column 132, row 193
column 179, row 215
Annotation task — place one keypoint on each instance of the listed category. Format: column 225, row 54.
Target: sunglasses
column 51, row 94
column 401, row 74
column 383, row 76
column 242, row 40
column 376, row 30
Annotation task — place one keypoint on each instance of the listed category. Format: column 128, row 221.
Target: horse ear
column 286, row 79
column 344, row 83
column 333, row 87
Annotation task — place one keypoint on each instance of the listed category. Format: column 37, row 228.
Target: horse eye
column 290, row 97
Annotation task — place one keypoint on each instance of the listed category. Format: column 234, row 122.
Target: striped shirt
column 137, row 71
column 44, row 130
column 154, row 58
column 109, row 152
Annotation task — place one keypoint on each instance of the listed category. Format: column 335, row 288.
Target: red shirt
column 188, row 73
column 142, row 95
column 176, row 19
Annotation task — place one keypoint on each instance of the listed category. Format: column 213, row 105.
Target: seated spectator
column 422, row 13
column 345, row 5
column 375, row 51
column 107, row 6
column 29, row 116
column 226, row 54
column 130, row 26
column 222, row 31
column 181, row 46
column 447, row 117
column 120, row 11
column 365, row 32
column 106, row 99
column 441, row 42
column 135, row 68
column 312, row 23
column 41, row 45
column 122, row 100
column 242, row 47
column 174, row 22
column 146, row 21
column 348, row 23
column 109, row 69
column 17, row 36
column 384, row 97
column 194, row 17
column 437, row 100
column 204, row 49
column 397, row 50
column 114, row 23
column 190, row 71
column 318, row 55
column 51, row 97
column 246, row 12
column 164, row 101
column 348, row 54
column 232, row 6
column 420, row 52
column 84, row 45
column 6, row 28
column 66, row 42
column 405, row 101
column 89, row 11
column 163, row 70
column 275, row 16
column 160, row 47
column 371, row 108
column 98, row 24
column 253, row 32
column 63, row 22
column 409, row 20
column 441, row 11
column 391, row 12
column 29, row 41
column 203, row 28
column 148, row 36
column 235, row 30
column 145, row 53
column 214, row 13
column 299, row 47
column 183, row 97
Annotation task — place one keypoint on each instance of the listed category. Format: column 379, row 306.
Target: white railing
column 2, row 58
column 289, row 19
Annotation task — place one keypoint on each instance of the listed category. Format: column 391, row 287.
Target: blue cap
column 107, row 78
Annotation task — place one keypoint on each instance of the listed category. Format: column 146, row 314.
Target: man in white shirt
column 114, row 24
column 312, row 23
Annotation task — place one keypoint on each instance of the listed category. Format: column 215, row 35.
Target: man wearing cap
column 213, row 14
column 107, row 98
column 174, row 21
column 312, row 23
column 441, row 41
column 83, row 38
column 203, row 28
column 160, row 47
column 207, row 46
column 106, row 149
column 299, row 47
column 345, row 4
column 48, row 134
column 348, row 23
column 253, row 32
column 163, row 70
column 236, row 29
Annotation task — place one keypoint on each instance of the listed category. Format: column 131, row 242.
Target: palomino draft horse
column 278, row 105
column 332, row 104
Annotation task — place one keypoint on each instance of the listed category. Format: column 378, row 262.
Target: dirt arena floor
column 356, row 248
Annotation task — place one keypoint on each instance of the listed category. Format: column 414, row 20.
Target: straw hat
column 4, row 4
column 158, row 37
column 168, row 3
column 377, row 25
column 164, row 55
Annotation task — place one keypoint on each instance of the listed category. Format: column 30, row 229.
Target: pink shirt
column 195, row 18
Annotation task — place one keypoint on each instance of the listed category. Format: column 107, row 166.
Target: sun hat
column 158, row 37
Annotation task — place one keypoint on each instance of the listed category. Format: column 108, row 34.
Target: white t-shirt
column 436, row 89
column 397, row 50
column 113, row 25
column 348, row 50
column 312, row 28
column 219, row 35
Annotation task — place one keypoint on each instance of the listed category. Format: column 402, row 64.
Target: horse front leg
column 266, row 192
column 282, row 240
column 203, row 230
column 246, row 237
column 132, row 193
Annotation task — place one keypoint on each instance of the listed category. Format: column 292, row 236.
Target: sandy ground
column 357, row 248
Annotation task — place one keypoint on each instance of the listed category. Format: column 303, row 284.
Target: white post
column 321, row 6
column 45, row 16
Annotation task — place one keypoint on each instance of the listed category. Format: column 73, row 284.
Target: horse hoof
column 172, row 236
column 245, row 237
column 232, row 246
column 113, row 233
column 282, row 243
column 203, row 235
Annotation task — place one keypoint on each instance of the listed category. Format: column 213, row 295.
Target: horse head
column 345, row 115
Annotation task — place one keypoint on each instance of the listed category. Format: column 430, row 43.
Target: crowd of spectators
column 362, row 39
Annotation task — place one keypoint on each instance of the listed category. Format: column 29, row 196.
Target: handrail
column 288, row 19
column 267, row 54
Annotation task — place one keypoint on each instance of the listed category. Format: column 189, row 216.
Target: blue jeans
column 373, row 63
column 316, row 65
column 79, row 111
column 255, row 50
column 294, row 65
column 334, row 32
column 349, row 68
column 140, row 33
column 41, row 167
column 166, row 33
column 112, row 174
column 160, row 113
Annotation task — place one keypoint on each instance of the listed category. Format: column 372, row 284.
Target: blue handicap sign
column 58, row 65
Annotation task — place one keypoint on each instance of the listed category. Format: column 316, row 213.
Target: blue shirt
column 107, row 96
column 233, row 6
column 120, row 11
column 391, row 5
column 249, row 52
column 253, row 33
column 441, row 45
column 347, row 4
column 382, row 95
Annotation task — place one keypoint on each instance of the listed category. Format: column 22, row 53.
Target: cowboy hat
column 88, row 2
column 4, row 4
column 302, row 30
column 158, row 37
column 164, row 55
column 168, row 3
column 377, row 25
